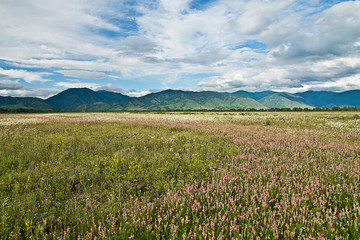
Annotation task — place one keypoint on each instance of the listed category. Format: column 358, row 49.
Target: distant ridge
column 187, row 100
column 284, row 100
column 75, row 99
column 329, row 99
column 80, row 99
column 24, row 102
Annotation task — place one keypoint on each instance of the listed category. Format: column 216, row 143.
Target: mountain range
column 80, row 99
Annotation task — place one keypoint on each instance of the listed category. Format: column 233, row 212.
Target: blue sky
column 138, row 47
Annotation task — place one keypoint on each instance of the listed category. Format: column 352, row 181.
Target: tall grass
column 51, row 172
column 216, row 176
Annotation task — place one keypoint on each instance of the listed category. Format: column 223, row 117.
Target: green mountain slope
column 330, row 99
column 284, row 100
column 186, row 100
column 78, row 98
column 23, row 102
column 254, row 95
column 74, row 99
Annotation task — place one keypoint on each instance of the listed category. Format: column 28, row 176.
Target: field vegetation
column 211, row 175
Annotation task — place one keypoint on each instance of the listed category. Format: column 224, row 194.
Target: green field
column 227, row 175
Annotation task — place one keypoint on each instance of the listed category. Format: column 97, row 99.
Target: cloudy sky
column 142, row 46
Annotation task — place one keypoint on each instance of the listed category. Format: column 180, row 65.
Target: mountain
column 254, row 95
column 75, row 99
column 329, row 99
column 284, row 100
column 111, row 96
column 24, row 102
column 78, row 99
column 187, row 100
column 320, row 99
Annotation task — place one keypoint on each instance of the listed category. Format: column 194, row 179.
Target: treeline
column 25, row 110
column 317, row 109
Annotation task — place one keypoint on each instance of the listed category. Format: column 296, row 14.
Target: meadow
column 181, row 175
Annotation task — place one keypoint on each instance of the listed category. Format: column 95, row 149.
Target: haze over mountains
column 78, row 99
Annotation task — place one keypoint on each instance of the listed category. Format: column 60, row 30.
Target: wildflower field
column 213, row 175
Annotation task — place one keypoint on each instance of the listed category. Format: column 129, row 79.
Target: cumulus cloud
column 63, row 24
column 27, row 76
column 258, row 14
column 3, row 76
column 16, row 89
column 304, row 44
column 112, row 88
column 134, row 93
column 333, row 31
column 182, row 34
column 83, row 74
column 10, row 85
column 77, row 85
column 321, row 53
column 266, row 74
column 175, row 6
column 138, row 45
column 131, row 92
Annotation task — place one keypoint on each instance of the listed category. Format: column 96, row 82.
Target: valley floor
column 181, row 175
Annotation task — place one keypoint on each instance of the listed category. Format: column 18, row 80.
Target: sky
column 144, row 46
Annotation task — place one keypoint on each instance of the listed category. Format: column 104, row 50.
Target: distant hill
column 284, row 100
column 24, row 102
column 187, row 100
column 329, row 99
column 77, row 99
column 74, row 99
column 320, row 99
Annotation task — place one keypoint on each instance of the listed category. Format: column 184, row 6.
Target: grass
column 180, row 176
column 50, row 172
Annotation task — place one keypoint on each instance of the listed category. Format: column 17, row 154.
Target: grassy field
column 227, row 175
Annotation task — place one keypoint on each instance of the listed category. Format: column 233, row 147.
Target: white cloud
column 10, row 85
column 258, row 14
column 333, row 31
column 25, row 75
column 130, row 92
column 310, row 75
column 83, row 74
column 320, row 53
column 173, row 39
column 112, row 88
column 138, row 45
column 306, row 45
column 135, row 93
column 175, row 6
column 65, row 27
column 183, row 34
column 96, row 65
column 77, row 85
column 16, row 89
